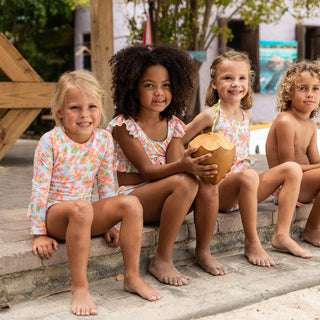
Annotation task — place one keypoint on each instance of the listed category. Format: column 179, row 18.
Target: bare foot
column 311, row 237
column 167, row 273
column 257, row 256
column 81, row 303
column 284, row 242
column 210, row 265
column 139, row 286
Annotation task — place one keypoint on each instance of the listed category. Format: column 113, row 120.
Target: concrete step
column 24, row 276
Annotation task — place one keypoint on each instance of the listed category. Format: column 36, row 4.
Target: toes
column 176, row 281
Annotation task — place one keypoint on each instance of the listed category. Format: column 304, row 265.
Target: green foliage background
column 43, row 32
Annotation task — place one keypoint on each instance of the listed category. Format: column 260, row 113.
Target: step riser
column 44, row 280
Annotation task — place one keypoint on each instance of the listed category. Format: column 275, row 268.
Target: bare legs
column 242, row 188
column 76, row 221
column 310, row 188
column 168, row 201
column 70, row 220
column 129, row 210
column 288, row 175
column 205, row 217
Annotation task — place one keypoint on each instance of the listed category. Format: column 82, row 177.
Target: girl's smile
column 80, row 115
column 232, row 80
column 154, row 89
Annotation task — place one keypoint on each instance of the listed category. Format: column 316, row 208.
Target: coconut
column 222, row 153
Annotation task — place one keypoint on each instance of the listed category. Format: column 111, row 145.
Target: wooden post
column 101, row 16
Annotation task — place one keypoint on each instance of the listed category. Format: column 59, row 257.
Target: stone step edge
column 46, row 278
column 17, row 256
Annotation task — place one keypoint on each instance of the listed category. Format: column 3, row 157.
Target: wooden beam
column 14, row 122
column 102, row 47
column 26, row 94
column 13, row 125
column 13, row 64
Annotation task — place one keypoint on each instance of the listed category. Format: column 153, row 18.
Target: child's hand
column 112, row 237
column 193, row 165
column 44, row 246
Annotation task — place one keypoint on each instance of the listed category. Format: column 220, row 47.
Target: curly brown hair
column 212, row 95
column 289, row 79
column 128, row 66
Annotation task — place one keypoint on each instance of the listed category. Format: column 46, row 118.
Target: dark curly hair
column 128, row 66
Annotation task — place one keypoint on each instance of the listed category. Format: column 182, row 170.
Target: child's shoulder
column 284, row 118
column 103, row 134
column 209, row 113
column 119, row 120
column 248, row 114
column 206, row 117
column 53, row 133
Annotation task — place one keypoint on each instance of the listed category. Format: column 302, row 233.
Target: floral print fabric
column 66, row 170
column 155, row 150
column 237, row 132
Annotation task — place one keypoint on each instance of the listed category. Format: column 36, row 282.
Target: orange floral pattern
column 66, row 170
column 155, row 150
column 237, row 132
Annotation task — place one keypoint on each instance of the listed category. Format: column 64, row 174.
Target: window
column 244, row 39
column 308, row 38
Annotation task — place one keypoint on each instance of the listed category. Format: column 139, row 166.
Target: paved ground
column 288, row 291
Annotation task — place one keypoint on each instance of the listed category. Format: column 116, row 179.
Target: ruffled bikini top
column 156, row 150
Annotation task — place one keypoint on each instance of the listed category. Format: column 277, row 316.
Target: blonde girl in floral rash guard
column 68, row 160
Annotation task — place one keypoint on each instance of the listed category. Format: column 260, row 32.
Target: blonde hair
column 212, row 95
column 82, row 79
column 289, row 79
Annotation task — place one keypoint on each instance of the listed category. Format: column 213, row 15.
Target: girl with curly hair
column 151, row 87
column 230, row 97
column 293, row 136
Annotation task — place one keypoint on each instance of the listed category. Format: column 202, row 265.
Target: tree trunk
column 193, row 107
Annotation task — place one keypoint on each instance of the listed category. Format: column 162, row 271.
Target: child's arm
column 285, row 135
column 202, row 121
column 136, row 154
column 42, row 172
column 105, row 176
column 176, row 152
column 43, row 161
column 313, row 152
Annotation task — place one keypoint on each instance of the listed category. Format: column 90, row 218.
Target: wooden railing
column 22, row 98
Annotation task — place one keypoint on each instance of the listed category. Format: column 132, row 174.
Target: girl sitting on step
column 67, row 160
column 151, row 87
column 230, row 98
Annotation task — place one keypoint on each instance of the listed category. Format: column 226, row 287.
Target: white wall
column 120, row 30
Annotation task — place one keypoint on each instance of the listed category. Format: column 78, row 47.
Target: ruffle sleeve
column 120, row 120
column 178, row 127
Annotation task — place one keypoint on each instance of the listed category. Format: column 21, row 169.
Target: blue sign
column 198, row 56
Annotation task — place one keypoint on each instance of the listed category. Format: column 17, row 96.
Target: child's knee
column 292, row 170
column 249, row 178
column 208, row 190
column 131, row 205
column 186, row 183
column 82, row 211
